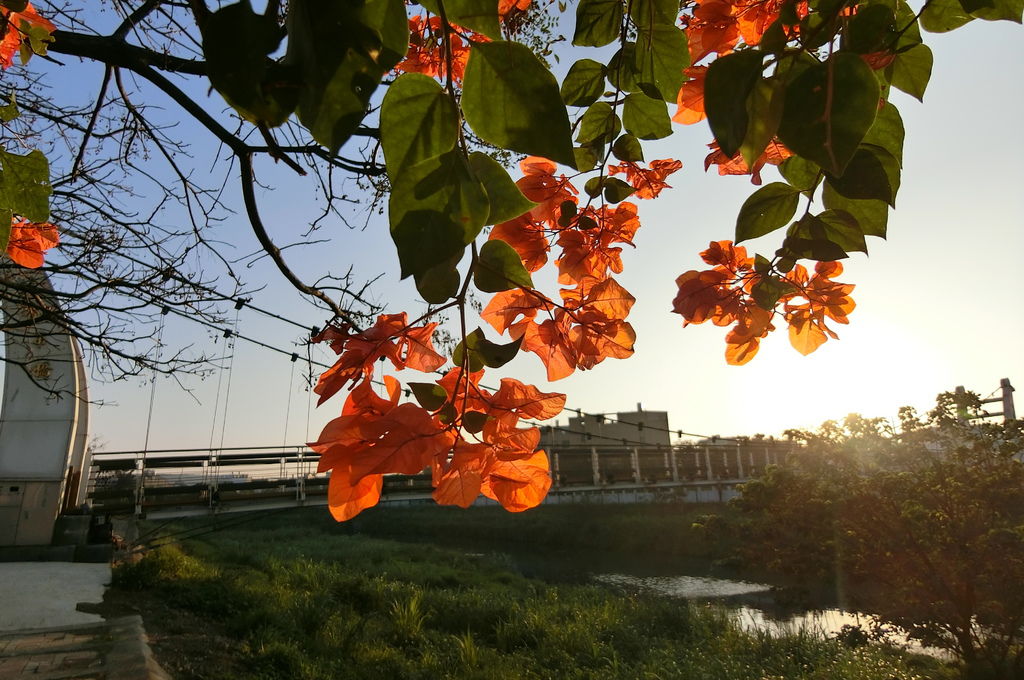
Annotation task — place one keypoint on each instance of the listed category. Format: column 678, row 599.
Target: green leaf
column 598, row 22
column 584, row 83
column 821, row 250
column 237, row 43
column 873, row 173
column 728, row 83
column 430, row 396
column 499, row 268
column 870, row 29
column 389, row 20
column 478, row 15
column 1001, row 10
column 628, row 148
column 871, row 215
column 800, row 172
column 652, row 12
column 506, row 200
column 941, row 16
column 440, row 283
column 587, row 156
column 911, row 70
column 906, row 16
column 646, row 118
column 659, row 58
column 622, row 70
column 767, row 209
column 887, row 131
column 418, row 121
column 615, row 190
column 599, row 124
column 470, row 360
column 972, row 6
column 474, row 421
column 593, row 187
column 511, row 100
column 483, row 352
column 24, row 186
column 436, row 208
column 828, row 110
column 5, row 229
column 817, row 29
column 764, row 111
column 768, row 290
column 837, row 226
column 340, row 50
column 9, row 112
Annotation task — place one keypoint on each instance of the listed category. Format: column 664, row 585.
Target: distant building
column 638, row 428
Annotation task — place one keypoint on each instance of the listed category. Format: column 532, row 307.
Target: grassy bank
column 293, row 597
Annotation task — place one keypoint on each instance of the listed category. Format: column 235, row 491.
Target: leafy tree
column 924, row 528
column 420, row 106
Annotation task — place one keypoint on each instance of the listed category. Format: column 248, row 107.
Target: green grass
column 301, row 599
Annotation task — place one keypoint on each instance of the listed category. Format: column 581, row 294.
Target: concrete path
column 45, row 594
column 44, row 637
column 109, row 650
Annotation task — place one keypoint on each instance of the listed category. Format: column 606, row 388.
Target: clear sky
column 938, row 304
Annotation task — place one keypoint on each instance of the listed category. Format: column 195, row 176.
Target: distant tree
column 924, row 527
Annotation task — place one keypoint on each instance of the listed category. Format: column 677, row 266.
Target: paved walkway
column 109, row 650
column 44, row 637
column 46, row 594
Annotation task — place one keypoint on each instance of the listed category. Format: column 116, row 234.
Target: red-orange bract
column 724, row 295
column 18, row 24
column 29, row 241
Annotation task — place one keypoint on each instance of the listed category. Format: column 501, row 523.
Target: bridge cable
column 312, row 362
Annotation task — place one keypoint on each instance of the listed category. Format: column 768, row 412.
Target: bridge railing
column 135, row 482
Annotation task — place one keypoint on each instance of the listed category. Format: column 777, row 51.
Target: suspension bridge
column 167, row 483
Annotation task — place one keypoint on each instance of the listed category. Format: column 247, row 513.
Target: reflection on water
column 690, row 587
column 827, row 622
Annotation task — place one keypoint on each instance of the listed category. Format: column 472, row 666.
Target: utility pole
column 1005, row 399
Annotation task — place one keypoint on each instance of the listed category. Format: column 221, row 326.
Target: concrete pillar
column 555, row 466
column 634, row 458
column 675, row 465
column 595, row 465
column 1008, row 411
column 739, row 462
column 707, row 462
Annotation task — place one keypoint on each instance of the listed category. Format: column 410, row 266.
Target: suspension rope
column 231, row 364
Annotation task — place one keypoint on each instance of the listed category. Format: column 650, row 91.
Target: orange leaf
column 526, row 238
column 29, row 241
column 18, row 24
column 518, row 484
column 804, row 334
column 690, row 101
column 346, row 500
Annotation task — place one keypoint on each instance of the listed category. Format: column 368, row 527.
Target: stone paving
column 109, row 650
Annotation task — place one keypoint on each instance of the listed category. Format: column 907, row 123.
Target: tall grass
column 305, row 602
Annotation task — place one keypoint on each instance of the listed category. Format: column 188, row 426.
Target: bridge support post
column 556, row 471
column 675, row 465
column 739, row 461
column 634, row 458
column 140, row 486
column 595, row 464
column 707, row 463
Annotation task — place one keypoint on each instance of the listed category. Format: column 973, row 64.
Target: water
column 826, row 622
